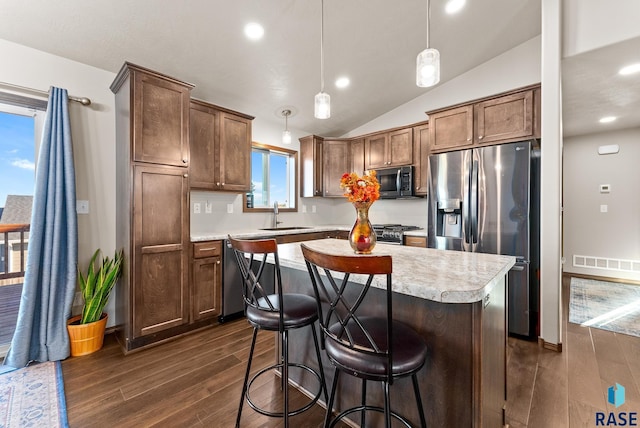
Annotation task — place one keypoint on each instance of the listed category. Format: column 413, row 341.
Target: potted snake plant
column 86, row 331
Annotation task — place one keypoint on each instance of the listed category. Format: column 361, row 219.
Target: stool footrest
column 291, row 412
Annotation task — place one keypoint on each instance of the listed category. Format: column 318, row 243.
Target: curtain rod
column 84, row 101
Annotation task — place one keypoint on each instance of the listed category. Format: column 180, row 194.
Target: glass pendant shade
column 286, row 137
column 428, row 68
column 322, row 107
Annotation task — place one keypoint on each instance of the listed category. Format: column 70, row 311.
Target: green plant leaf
column 96, row 286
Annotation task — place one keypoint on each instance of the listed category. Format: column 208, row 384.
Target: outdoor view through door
column 17, row 177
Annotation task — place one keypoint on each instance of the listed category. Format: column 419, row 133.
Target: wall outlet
column 604, row 208
column 229, row 208
column 304, row 208
column 207, row 207
column 313, row 208
column 196, row 208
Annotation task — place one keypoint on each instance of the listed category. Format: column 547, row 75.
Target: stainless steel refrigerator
column 487, row 200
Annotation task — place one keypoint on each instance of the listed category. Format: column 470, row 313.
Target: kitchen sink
column 286, row 228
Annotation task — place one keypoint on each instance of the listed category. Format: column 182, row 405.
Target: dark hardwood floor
column 196, row 381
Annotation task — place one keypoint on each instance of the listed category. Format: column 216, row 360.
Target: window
column 273, row 179
column 20, row 129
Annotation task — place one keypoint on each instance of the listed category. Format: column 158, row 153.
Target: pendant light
column 428, row 61
column 322, row 104
column 286, row 134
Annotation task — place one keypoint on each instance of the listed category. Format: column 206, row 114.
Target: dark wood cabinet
column 152, row 204
column 160, row 289
column 357, row 156
column 206, row 272
column 451, row 129
column 220, row 143
column 388, row 149
column 160, row 119
column 421, row 159
column 235, row 152
column 336, row 161
column 415, row 241
column 311, row 181
column 505, row 118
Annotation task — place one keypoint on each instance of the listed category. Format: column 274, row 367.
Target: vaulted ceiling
column 373, row 42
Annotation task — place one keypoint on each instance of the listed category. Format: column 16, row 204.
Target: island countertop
column 437, row 275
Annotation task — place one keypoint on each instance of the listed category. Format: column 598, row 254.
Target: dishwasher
column 232, row 300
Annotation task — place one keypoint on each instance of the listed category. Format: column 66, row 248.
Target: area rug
column 606, row 305
column 33, row 397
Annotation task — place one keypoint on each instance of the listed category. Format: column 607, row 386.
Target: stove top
column 392, row 233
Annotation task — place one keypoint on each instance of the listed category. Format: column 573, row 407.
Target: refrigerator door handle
column 474, row 202
column 465, row 209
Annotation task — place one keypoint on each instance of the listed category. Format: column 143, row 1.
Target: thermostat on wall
column 605, row 188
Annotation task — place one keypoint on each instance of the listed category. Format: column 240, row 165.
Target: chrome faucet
column 275, row 215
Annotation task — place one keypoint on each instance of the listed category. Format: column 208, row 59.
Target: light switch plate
column 604, row 208
column 230, row 208
column 207, row 207
column 313, row 208
column 304, row 208
column 82, row 207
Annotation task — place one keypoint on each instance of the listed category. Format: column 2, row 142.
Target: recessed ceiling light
column 454, row 6
column 254, row 31
column 342, row 82
column 608, row 119
column 630, row 69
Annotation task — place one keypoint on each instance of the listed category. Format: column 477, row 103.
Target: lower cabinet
column 415, row 241
column 206, row 280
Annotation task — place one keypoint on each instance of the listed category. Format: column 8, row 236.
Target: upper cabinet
column 160, row 123
column 220, row 148
column 357, row 156
column 451, row 128
column 505, row 118
column 420, row 159
column 336, row 161
column 388, row 149
column 311, row 183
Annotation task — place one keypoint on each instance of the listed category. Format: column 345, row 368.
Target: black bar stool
column 357, row 342
column 273, row 311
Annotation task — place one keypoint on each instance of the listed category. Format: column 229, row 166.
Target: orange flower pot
column 85, row 339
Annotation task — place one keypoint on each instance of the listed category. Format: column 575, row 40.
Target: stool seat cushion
column 409, row 350
column 299, row 310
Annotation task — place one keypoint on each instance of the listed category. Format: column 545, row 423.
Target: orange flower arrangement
column 363, row 188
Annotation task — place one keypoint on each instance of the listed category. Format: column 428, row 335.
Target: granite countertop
column 438, row 275
column 258, row 233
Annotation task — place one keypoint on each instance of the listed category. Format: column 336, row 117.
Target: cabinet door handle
column 417, row 187
column 480, row 137
column 223, row 184
column 468, row 139
column 218, row 183
column 186, row 175
column 184, row 161
column 218, row 262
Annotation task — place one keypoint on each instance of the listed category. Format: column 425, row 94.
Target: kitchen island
column 457, row 302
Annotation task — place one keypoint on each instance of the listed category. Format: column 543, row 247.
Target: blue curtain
column 50, row 275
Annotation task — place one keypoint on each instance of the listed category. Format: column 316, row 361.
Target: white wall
column 588, row 231
column 592, row 24
column 93, row 134
column 513, row 69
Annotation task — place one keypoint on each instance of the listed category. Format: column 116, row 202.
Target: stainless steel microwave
column 396, row 182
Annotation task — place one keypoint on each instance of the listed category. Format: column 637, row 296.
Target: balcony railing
column 14, row 250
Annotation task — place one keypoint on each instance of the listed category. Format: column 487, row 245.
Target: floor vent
column 606, row 264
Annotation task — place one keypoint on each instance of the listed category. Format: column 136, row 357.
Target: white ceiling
column 592, row 89
column 373, row 42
